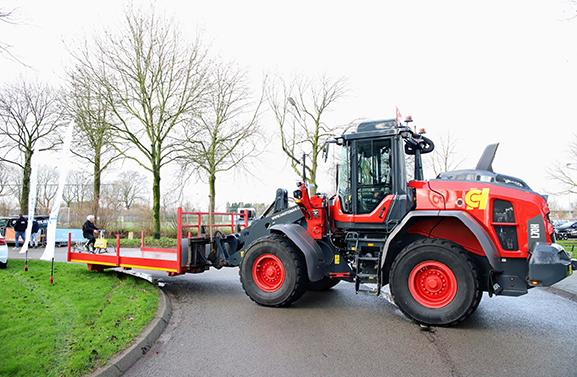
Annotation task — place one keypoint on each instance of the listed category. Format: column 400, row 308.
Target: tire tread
column 457, row 249
column 300, row 286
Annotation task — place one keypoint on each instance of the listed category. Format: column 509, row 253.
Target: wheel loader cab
column 372, row 177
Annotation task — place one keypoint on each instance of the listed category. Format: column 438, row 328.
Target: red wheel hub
column 268, row 272
column 432, row 284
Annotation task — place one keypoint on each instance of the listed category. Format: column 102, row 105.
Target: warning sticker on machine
column 285, row 213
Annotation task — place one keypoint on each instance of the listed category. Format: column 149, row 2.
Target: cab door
column 366, row 182
column 374, row 178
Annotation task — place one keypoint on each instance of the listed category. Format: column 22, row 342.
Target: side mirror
column 325, row 153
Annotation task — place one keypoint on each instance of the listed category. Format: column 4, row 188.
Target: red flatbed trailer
column 173, row 261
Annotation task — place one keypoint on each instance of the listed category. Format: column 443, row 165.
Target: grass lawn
column 570, row 245
column 72, row 326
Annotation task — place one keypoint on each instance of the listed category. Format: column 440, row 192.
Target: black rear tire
column 273, row 271
column 435, row 282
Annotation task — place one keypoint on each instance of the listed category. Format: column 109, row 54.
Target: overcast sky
column 491, row 71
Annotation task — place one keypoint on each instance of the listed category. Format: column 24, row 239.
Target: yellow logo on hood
column 477, row 199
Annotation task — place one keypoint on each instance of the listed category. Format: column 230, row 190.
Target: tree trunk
column 156, row 202
column 26, row 181
column 96, row 203
column 313, row 177
column 212, row 190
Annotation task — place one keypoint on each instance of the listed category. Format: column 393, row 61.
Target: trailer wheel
column 273, row 271
column 434, row 282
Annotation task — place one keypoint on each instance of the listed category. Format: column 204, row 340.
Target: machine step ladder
column 367, row 267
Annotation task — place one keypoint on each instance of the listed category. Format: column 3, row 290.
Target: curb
column 560, row 292
column 120, row 363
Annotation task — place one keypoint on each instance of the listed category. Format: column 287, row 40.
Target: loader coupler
column 204, row 253
column 198, row 250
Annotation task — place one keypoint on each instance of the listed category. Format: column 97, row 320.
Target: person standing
column 34, row 234
column 20, row 231
column 89, row 230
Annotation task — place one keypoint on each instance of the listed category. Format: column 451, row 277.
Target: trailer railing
column 150, row 257
column 199, row 223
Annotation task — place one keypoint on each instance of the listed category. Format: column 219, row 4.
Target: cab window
column 344, row 189
column 374, row 178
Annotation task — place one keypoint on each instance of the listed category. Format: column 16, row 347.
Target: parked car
column 7, row 227
column 558, row 223
column 3, row 223
column 3, row 253
column 567, row 230
column 250, row 214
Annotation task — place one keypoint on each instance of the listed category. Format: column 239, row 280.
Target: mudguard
column 311, row 250
column 480, row 233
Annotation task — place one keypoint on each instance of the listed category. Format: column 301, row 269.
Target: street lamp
column 569, row 194
column 293, row 102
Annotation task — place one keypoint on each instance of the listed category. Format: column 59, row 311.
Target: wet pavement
column 222, row 291
column 566, row 288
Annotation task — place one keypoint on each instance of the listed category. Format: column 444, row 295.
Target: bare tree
column 77, row 191
column 224, row 135
column 111, row 207
column 556, row 211
column 4, row 179
column 30, row 115
column 153, row 80
column 12, row 186
column 299, row 107
column 445, row 156
column 130, row 188
column 46, row 189
column 7, row 207
column 565, row 172
column 7, row 17
column 93, row 140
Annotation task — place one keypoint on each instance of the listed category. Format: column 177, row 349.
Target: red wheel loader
column 439, row 244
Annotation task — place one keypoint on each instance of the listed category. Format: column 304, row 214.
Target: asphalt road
column 216, row 330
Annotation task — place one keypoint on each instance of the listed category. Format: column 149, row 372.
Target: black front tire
column 273, row 271
column 435, row 282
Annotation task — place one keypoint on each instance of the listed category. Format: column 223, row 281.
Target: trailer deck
column 165, row 260
column 174, row 261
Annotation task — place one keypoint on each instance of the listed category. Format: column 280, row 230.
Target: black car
column 567, row 230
